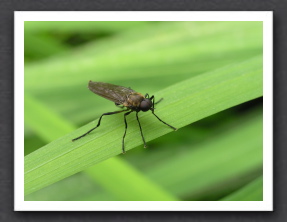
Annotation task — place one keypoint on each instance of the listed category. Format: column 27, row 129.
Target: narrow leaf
column 184, row 103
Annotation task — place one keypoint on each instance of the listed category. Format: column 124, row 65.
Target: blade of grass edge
column 49, row 126
column 252, row 191
column 186, row 102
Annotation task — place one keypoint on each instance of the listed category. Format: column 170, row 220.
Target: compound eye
column 145, row 105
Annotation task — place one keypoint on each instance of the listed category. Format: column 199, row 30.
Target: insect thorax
column 134, row 100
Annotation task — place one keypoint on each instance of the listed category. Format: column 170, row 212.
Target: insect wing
column 115, row 93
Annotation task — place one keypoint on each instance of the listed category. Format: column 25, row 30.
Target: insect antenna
column 157, row 102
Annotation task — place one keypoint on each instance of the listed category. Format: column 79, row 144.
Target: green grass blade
column 251, row 192
column 80, row 26
column 146, row 59
column 37, row 47
column 78, row 187
column 130, row 184
column 48, row 125
column 166, row 49
column 194, row 171
column 116, row 176
column 214, row 166
column 184, row 103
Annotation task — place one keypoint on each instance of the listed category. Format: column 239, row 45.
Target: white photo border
column 265, row 16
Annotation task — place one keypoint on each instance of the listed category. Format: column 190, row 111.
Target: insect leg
column 126, row 126
column 152, row 110
column 163, row 121
column 141, row 131
column 99, row 123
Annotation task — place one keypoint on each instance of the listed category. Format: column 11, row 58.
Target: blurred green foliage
column 217, row 157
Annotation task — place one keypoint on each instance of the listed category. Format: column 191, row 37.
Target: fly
column 127, row 99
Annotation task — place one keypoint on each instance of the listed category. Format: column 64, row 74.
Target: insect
column 127, row 99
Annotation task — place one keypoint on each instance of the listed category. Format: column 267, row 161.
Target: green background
column 210, row 76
